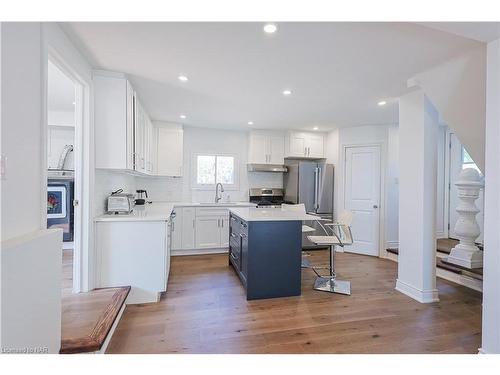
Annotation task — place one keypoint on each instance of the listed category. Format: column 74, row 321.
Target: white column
column 491, row 270
column 418, row 132
column 466, row 253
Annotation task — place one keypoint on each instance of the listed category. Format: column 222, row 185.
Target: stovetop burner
column 267, row 197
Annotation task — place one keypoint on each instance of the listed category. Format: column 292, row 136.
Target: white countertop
column 270, row 214
column 160, row 211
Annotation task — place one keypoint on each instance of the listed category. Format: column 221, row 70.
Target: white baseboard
column 199, row 252
column 422, row 296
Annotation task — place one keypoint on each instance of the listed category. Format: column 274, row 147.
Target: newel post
column 466, row 253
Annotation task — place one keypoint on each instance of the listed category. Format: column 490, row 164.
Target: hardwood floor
column 205, row 311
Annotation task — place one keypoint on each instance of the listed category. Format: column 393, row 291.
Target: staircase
column 471, row 278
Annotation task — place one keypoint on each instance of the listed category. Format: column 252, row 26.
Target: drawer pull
column 233, row 235
column 243, row 235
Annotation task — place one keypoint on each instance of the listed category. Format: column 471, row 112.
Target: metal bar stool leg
column 331, row 283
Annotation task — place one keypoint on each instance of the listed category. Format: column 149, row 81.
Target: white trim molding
column 422, row 296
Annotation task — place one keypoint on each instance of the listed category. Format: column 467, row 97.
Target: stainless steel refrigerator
column 311, row 183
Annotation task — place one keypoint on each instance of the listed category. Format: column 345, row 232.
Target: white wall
column 491, row 280
column 200, row 140
column 392, row 189
column 57, row 138
column 418, row 133
column 457, row 88
column 21, row 128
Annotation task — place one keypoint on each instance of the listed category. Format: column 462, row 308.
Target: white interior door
column 362, row 197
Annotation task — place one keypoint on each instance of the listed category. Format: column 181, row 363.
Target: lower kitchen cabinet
column 207, row 232
column 196, row 230
column 211, row 229
column 183, row 224
column 135, row 253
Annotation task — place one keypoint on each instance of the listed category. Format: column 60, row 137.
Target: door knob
column 375, row 206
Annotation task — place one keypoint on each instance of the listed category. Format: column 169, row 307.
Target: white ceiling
column 337, row 71
column 61, row 90
column 480, row 31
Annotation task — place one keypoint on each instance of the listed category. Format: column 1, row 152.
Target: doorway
column 64, row 175
column 362, row 177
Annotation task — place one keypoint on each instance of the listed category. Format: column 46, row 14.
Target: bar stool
column 305, row 228
column 341, row 236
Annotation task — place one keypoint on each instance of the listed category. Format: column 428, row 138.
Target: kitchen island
column 265, row 248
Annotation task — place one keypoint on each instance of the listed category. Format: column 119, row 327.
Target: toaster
column 120, row 203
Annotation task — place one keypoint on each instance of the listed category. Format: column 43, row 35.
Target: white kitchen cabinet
column 140, row 125
column 176, row 229
column 224, row 231
column 125, row 139
column 183, row 228
column 150, row 151
column 134, row 253
column 169, row 150
column 316, row 146
column 305, row 145
column 207, row 232
column 114, row 100
column 211, row 228
column 266, row 147
column 188, row 228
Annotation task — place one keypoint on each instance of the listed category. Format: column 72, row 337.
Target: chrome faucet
column 217, row 197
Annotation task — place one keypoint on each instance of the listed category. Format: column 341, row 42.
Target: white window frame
column 194, row 177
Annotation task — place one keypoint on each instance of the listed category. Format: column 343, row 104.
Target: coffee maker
column 141, row 197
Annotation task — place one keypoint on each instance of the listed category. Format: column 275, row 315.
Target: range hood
column 266, row 168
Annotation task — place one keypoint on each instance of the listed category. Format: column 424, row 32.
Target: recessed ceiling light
column 381, row 103
column 250, row 122
column 183, row 78
column 182, row 116
column 315, row 128
column 270, row 28
column 287, row 92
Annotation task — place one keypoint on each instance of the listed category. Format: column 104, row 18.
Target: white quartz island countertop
column 160, row 211
column 270, row 214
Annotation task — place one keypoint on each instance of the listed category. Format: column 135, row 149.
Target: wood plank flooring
column 205, row 311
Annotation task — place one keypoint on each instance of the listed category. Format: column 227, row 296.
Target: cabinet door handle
column 233, row 235
column 243, row 235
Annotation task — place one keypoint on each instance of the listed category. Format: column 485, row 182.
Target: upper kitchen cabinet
column 125, row 136
column 305, row 145
column 114, row 121
column 168, row 149
column 266, row 147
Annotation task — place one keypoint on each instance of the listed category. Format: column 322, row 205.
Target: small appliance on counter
column 120, row 203
column 141, row 197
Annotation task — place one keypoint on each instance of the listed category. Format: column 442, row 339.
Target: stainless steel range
column 267, row 197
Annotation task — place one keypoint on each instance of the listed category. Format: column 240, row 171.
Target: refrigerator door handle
column 315, row 189
column 319, row 188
